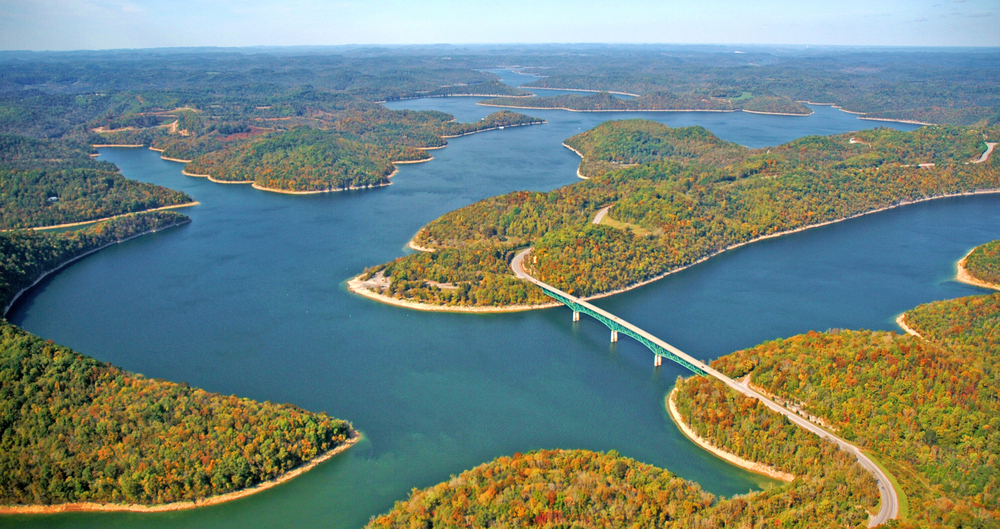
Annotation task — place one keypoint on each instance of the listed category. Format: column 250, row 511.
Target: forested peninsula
column 80, row 434
column 925, row 408
column 676, row 197
column 655, row 102
column 982, row 266
column 48, row 183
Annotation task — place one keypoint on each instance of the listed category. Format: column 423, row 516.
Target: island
column 655, row 200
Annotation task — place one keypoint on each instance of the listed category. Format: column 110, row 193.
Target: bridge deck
column 889, row 508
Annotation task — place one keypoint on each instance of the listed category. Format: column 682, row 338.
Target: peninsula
column 677, row 197
column 115, row 440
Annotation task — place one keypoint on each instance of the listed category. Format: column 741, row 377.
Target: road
column 600, row 215
column 986, row 155
column 889, row 505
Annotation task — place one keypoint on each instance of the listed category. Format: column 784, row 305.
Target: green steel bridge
column 889, row 508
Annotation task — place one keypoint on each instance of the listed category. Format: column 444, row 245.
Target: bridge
column 889, row 504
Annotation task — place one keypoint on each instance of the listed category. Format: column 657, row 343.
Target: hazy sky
column 100, row 24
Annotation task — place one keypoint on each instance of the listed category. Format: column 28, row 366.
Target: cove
column 249, row 299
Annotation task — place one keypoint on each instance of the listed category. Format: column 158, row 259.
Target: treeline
column 26, row 255
column 47, row 182
column 984, row 263
column 356, row 149
column 579, row 488
column 303, row 159
column 476, row 276
column 926, row 407
column 604, row 101
column 492, row 87
column 680, row 195
column 929, row 86
column 504, row 118
column 79, row 430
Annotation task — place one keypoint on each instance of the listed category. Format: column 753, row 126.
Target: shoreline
column 167, row 158
column 259, row 187
column 498, row 127
column 580, row 154
column 752, row 466
column 357, row 286
column 447, row 95
column 964, row 276
column 122, row 145
column 186, row 504
column 901, row 321
column 64, row 264
column 865, row 116
column 521, row 308
column 655, row 110
column 576, row 89
column 81, row 223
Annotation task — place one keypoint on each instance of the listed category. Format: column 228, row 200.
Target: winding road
column 889, row 504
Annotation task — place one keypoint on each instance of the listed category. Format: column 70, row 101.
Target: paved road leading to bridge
column 889, row 505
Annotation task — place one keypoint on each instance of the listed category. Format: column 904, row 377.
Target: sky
column 113, row 24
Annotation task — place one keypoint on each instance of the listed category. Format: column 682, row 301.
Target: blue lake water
column 250, row 299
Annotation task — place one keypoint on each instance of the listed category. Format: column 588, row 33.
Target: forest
column 73, row 429
column 580, row 488
column 605, row 102
column 79, row 430
column 926, row 407
column 47, row 182
column 677, row 196
column 357, row 151
column 26, row 255
column 984, row 263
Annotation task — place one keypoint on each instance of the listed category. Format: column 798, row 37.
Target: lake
column 250, row 299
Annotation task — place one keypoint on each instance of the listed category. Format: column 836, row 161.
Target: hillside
column 676, row 196
column 46, row 183
column 983, row 264
column 578, row 488
column 926, row 408
column 79, row 430
column 74, row 429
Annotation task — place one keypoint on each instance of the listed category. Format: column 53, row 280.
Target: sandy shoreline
column 521, row 308
column 578, row 90
column 167, row 158
column 125, row 145
column 498, row 127
column 290, row 192
column 651, row 110
column 414, row 246
column 62, row 265
column 356, row 285
column 964, row 276
column 580, row 154
column 901, row 321
column 910, row 121
column 81, row 223
column 752, row 466
column 183, row 505
column 449, row 95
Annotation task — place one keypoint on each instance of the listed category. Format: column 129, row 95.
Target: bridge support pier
column 614, row 336
column 576, row 316
column 658, row 361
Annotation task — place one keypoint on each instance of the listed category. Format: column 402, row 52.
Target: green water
column 250, row 299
